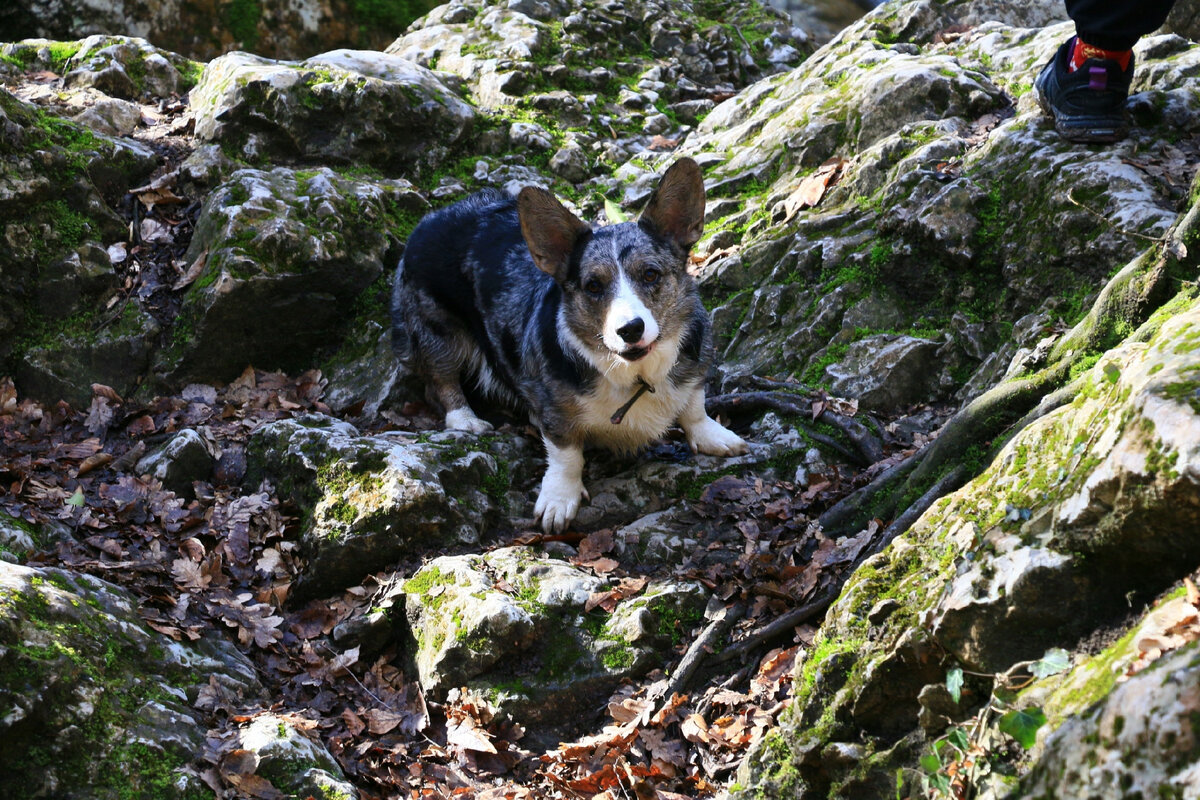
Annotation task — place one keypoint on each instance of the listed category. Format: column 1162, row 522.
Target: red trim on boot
column 1083, row 51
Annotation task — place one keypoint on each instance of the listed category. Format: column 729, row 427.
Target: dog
column 599, row 333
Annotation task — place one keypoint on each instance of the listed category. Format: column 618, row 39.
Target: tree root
column 868, row 448
column 781, row 626
column 853, row 511
column 746, row 403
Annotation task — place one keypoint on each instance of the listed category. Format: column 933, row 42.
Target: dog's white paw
column 463, row 419
column 557, row 503
column 714, row 439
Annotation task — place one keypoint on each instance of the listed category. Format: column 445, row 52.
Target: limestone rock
column 1090, row 502
column 885, row 372
column 94, row 701
column 502, row 52
column 291, row 761
column 204, row 29
column 343, row 107
column 374, row 499
column 113, row 349
column 128, row 68
column 531, row 648
column 285, row 252
column 56, row 220
column 1141, row 737
column 895, row 226
column 186, row 457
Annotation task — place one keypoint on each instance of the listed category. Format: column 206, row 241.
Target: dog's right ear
column 550, row 230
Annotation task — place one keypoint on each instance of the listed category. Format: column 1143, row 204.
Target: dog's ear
column 676, row 209
column 550, row 231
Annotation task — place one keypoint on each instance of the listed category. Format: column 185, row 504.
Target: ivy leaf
column 614, row 212
column 1023, row 725
column 76, row 499
column 1054, row 661
column 954, row 682
column 1111, row 372
column 958, row 738
column 931, row 763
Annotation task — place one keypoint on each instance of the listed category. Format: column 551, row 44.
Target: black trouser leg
column 1117, row 25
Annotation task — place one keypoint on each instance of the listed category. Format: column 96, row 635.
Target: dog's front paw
column 557, row 503
column 714, row 439
column 463, row 419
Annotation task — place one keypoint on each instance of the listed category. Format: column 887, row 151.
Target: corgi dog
column 599, row 333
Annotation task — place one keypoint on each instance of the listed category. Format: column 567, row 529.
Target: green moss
column 814, row 375
column 387, row 17
column 190, row 73
column 676, row 621
column 94, row 747
column 241, row 19
column 423, row 581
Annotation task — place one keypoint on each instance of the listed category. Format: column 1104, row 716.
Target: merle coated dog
column 599, row 333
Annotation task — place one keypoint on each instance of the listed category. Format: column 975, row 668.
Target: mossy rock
column 286, row 255
column 95, row 702
column 369, row 501
column 1086, row 506
column 528, row 643
column 345, row 107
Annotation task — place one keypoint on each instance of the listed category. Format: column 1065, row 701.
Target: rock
column 529, row 135
column 77, row 283
column 375, row 499
column 128, row 68
column 113, row 350
column 274, row 28
column 531, row 648
column 885, row 372
column 186, row 457
column 483, row 47
column 18, row 539
column 286, row 252
column 1086, row 504
column 95, row 702
column 365, row 374
column 57, row 222
column 272, row 110
column 111, row 117
column 1139, row 737
column 570, row 163
column 291, row 761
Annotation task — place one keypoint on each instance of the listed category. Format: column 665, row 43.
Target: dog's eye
column 651, row 276
column 594, row 287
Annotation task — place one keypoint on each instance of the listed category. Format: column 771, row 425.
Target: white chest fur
column 650, row 415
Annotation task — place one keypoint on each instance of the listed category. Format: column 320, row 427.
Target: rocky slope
column 962, row 349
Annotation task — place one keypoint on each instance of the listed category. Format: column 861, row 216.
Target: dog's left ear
column 676, row 209
column 550, row 230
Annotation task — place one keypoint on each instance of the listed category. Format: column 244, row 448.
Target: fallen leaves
column 811, row 190
column 1169, row 627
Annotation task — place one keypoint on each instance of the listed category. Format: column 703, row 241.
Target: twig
column 842, row 512
column 700, row 647
column 822, row 601
column 780, row 625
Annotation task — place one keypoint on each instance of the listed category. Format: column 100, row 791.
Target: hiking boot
column 1087, row 105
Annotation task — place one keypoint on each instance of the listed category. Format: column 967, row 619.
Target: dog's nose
column 632, row 331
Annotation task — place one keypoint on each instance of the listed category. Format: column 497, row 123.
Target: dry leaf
column 193, row 271
column 812, row 189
